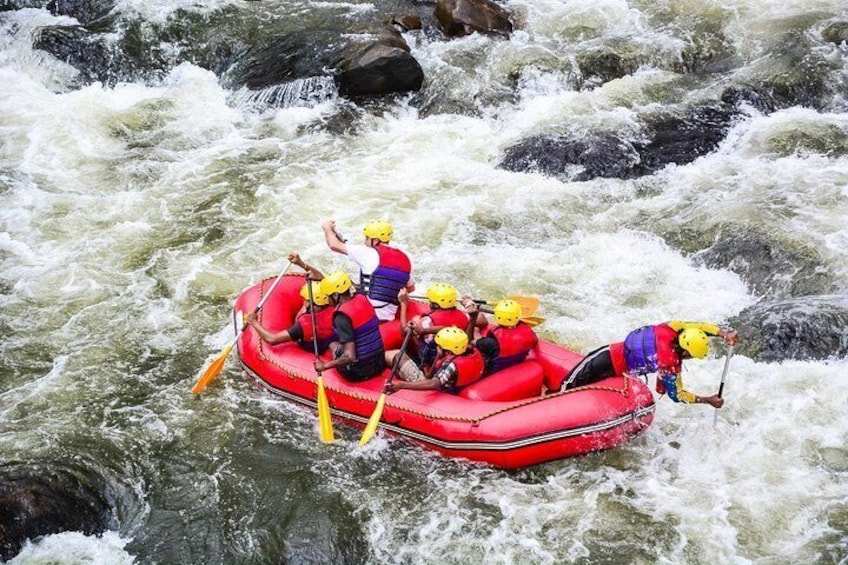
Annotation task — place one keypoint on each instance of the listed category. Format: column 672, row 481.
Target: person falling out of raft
column 457, row 364
column 358, row 354
column 443, row 313
column 301, row 331
column 660, row 349
column 509, row 341
column 383, row 270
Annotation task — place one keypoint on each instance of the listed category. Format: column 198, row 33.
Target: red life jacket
column 391, row 275
column 439, row 318
column 366, row 327
column 469, row 366
column 326, row 331
column 513, row 345
column 449, row 317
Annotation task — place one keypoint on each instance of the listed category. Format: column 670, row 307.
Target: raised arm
column 333, row 241
column 313, row 273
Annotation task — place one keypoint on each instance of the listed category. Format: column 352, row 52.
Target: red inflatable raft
column 502, row 419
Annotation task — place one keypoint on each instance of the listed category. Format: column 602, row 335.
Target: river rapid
column 132, row 215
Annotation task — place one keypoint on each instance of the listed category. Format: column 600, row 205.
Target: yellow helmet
column 442, row 294
column 695, row 342
column 319, row 297
column 507, row 313
column 337, row 282
column 452, row 339
column 378, row 229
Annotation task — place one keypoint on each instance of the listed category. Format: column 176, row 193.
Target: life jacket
column 326, row 331
column 650, row 349
column 513, row 345
column 469, row 366
column 391, row 275
column 449, row 317
column 439, row 318
column 366, row 327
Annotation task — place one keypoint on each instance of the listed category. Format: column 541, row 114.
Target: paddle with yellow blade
column 374, row 420
column 325, row 422
column 209, row 375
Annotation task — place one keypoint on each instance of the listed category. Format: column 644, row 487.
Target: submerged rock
column 40, row 500
column 836, row 32
column 85, row 11
column 771, row 268
column 9, row 5
column 806, row 328
column 96, row 56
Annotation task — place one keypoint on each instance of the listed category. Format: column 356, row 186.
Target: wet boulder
column 365, row 65
column 770, row 267
column 682, row 139
column 463, row 17
column 805, row 328
column 285, row 58
column 379, row 66
column 601, row 65
column 578, row 158
column 94, row 55
column 664, row 139
column 85, row 11
column 38, row 500
column 741, row 96
column 10, row 5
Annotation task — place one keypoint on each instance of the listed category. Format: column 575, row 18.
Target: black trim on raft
column 461, row 445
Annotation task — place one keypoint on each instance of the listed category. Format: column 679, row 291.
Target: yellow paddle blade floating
column 325, row 422
column 212, row 372
column 373, row 421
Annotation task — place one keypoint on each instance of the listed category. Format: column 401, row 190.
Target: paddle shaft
column 374, row 420
column 312, row 317
column 262, row 302
column 723, row 379
column 396, row 360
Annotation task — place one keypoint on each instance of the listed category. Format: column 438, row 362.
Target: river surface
column 132, row 216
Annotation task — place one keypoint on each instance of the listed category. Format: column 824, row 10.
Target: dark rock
column 811, row 327
column 407, row 23
column 296, row 55
column 761, row 101
column 381, row 67
column 603, row 65
column 100, row 57
column 85, row 11
column 9, row 5
column 573, row 158
column 464, row 17
column 681, row 140
column 666, row 140
column 37, row 500
column 378, row 65
column 771, row 268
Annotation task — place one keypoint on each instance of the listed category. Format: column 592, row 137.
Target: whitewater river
column 131, row 216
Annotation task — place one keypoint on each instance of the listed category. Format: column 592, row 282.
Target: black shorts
column 596, row 366
column 361, row 370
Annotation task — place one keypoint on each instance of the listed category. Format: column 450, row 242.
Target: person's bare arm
column 334, row 242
